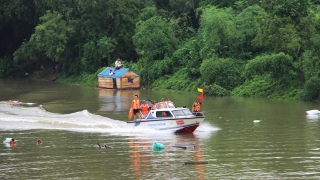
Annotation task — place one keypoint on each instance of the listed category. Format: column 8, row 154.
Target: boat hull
column 187, row 125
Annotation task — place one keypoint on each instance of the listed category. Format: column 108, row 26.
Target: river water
column 241, row 138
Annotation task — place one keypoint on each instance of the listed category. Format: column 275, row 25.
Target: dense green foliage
column 311, row 89
column 6, row 65
column 223, row 72
column 239, row 47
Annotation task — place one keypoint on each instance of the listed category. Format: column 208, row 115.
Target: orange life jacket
column 197, row 108
column 144, row 109
column 136, row 104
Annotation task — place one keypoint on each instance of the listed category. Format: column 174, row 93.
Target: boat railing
column 168, row 112
column 198, row 114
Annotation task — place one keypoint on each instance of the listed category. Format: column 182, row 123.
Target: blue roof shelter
column 123, row 78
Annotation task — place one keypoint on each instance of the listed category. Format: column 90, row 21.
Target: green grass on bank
column 84, row 79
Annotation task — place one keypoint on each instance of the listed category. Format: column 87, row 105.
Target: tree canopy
column 226, row 47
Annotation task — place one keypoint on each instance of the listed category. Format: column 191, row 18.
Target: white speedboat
column 166, row 117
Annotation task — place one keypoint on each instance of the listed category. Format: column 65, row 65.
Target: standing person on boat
column 169, row 103
column 154, row 105
column 162, row 104
column 196, row 106
column 144, row 109
column 135, row 105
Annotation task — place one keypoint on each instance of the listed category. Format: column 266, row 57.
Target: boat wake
column 16, row 117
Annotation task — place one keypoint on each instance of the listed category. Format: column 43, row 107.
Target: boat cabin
column 167, row 110
column 169, row 113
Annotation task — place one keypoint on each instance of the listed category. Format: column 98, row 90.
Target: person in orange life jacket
column 135, row 105
column 193, row 106
column 196, row 106
column 144, row 109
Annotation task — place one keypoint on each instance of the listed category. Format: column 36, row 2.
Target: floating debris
column 104, row 146
column 195, row 163
column 184, row 146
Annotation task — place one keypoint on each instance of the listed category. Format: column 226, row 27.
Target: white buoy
column 313, row 112
column 256, row 121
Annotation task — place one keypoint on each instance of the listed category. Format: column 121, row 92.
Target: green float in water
column 157, row 147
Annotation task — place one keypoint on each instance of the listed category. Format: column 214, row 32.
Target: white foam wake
column 15, row 117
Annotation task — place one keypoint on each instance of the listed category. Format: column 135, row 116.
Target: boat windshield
column 162, row 105
column 182, row 112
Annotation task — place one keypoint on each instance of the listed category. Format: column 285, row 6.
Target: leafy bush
column 223, row 72
column 265, row 86
column 177, row 82
column 91, row 57
column 258, row 86
column 152, row 71
column 188, row 56
column 42, row 75
column 215, row 90
column 153, row 38
column 85, row 79
column 133, row 66
column 311, row 90
column 311, row 65
column 277, row 65
column 6, row 65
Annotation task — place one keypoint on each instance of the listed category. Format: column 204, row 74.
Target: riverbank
column 181, row 83
column 84, row 79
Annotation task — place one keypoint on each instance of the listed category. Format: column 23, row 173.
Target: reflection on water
column 113, row 100
column 146, row 163
column 135, row 158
